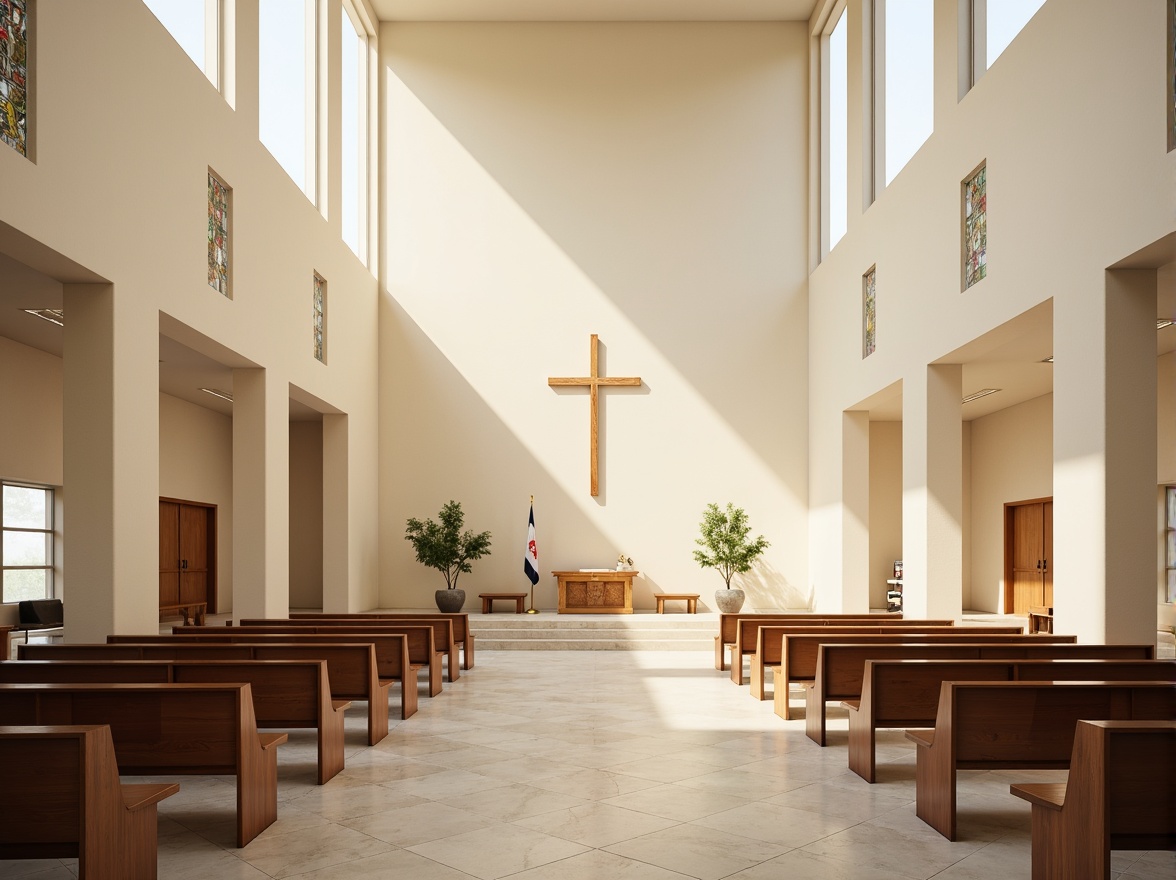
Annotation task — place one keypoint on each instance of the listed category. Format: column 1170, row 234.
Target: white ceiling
column 593, row 10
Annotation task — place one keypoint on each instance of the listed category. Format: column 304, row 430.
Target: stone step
column 595, row 645
column 595, row 634
column 643, row 631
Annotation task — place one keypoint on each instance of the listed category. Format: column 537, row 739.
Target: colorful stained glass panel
column 320, row 296
column 218, row 234
column 14, row 72
column 1171, row 495
column 869, row 313
column 975, row 227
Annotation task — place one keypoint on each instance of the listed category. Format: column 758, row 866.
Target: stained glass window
column 975, row 227
column 869, row 314
column 14, row 73
column 218, row 234
column 320, row 297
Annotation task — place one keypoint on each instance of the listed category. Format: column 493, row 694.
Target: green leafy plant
column 726, row 547
column 444, row 546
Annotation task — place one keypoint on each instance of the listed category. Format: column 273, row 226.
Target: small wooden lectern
column 595, row 592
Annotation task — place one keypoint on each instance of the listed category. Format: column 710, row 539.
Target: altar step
column 590, row 632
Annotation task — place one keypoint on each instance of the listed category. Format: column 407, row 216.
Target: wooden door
column 187, row 552
column 1028, row 555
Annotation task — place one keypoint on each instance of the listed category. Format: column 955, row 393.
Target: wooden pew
column 764, row 642
column 79, row 809
column 169, row 730
column 443, row 640
column 462, row 634
column 351, row 668
column 729, row 626
column 747, row 632
column 798, row 653
column 286, row 693
column 840, row 671
column 1120, row 794
column 905, row 692
column 1023, row 725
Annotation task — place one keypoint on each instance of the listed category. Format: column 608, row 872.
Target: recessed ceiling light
column 223, row 395
column 983, row 392
column 1161, row 323
column 53, row 316
column 1048, row 360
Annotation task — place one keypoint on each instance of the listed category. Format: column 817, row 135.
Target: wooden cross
column 593, row 384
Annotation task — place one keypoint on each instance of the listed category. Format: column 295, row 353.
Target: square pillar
column 261, row 494
column 1104, row 459
column 336, row 515
column 110, row 401
column 933, row 493
column 855, row 511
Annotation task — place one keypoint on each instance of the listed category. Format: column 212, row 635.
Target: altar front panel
column 591, row 592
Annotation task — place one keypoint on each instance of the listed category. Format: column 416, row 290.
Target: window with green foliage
column 26, row 550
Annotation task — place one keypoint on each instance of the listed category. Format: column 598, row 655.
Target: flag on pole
column 531, row 558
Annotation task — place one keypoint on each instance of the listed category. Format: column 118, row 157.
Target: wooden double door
column 187, row 552
column 1028, row 555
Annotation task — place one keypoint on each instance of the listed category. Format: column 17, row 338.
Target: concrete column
column 110, row 463
column 261, row 494
column 855, row 512
column 1104, row 459
column 336, row 515
column 932, row 497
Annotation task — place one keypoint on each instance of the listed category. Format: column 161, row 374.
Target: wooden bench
column 169, row 730
column 79, row 809
column 691, row 600
column 1020, row 725
column 39, row 614
column 443, row 639
column 729, row 626
column 188, row 611
column 763, row 650
column 488, row 601
column 798, row 654
column 903, row 692
column 840, row 670
column 1120, row 794
column 352, row 668
column 286, row 693
column 423, row 649
column 462, row 634
column 1040, row 619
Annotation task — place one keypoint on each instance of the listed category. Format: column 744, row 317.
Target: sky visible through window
column 838, row 133
column 184, row 20
column 282, row 62
column 910, row 80
column 1005, row 20
column 352, row 57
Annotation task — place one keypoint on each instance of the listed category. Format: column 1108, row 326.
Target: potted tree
column 727, row 549
column 445, row 547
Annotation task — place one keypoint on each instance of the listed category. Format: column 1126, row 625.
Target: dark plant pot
column 729, row 601
column 450, row 601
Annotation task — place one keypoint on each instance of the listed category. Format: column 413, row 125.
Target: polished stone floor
column 634, row 765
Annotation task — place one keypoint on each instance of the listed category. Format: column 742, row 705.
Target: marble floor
column 594, row 764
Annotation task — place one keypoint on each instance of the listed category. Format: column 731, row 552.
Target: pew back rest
column 729, row 623
column 443, row 637
column 1139, row 755
column 61, row 758
column 460, row 620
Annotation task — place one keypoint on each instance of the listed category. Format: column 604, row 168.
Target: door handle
column 1039, row 565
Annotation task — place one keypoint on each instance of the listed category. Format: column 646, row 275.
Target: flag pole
column 532, row 609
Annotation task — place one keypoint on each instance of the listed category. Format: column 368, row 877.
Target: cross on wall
column 593, row 383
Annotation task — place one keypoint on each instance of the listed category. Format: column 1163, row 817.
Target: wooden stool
column 691, row 600
column 488, row 601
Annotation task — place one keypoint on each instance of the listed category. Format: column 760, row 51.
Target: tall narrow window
column 286, row 104
column 869, row 312
column 354, row 141
column 1171, row 53
column 975, row 227
column 14, row 74
column 909, row 100
column 26, row 548
column 320, row 318
column 1170, row 536
column 195, row 25
column 219, row 242
column 1000, row 21
column 837, row 148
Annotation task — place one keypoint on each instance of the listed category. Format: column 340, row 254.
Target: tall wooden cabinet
column 187, row 552
column 1028, row 555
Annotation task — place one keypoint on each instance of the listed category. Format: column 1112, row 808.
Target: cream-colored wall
column 1074, row 63
column 885, row 506
column 30, row 398
column 645, row 182
column 126, row 127
column 196, row 464
column 1012, row 460
column 306, row 514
